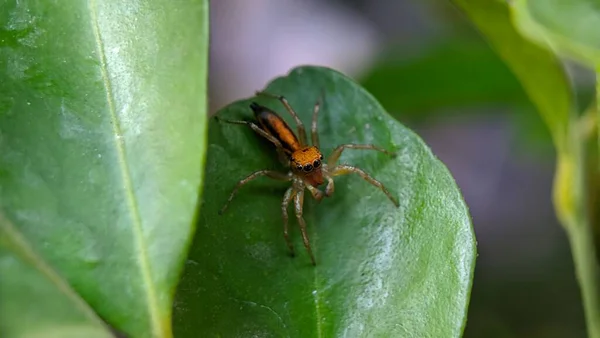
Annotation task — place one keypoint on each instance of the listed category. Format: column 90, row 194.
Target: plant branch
column 575, row 197
column 588, row 274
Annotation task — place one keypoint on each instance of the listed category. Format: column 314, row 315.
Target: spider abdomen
column 274, row 125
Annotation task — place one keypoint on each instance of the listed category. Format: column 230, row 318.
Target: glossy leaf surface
column 32, row 293
column 102, row 125
column 381, row 270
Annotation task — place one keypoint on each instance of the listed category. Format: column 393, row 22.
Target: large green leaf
column 102, row 141
column 31, row 292
column 381, row 270
column 538, row 69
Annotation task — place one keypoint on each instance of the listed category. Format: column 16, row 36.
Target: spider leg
column 347, row 169
column 298, row 203
column 269, row 173
column 330, row 186
column 281, row 152
column 337, row 152
column 287, row 198
column 316, row 193
column 284, row 101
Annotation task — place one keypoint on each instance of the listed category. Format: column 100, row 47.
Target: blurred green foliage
column 450, row 74
column 461, row 77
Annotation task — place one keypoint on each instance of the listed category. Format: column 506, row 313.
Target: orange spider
column 306, row 163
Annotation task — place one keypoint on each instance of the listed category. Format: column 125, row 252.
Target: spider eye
column 299, row 167
column 316, row 163
column 308, row 167
column 321, row 158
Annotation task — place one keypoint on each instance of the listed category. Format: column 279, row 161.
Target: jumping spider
column 307, row 169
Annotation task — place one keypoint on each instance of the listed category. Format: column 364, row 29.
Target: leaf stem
column 575, row 189
column 587, row 272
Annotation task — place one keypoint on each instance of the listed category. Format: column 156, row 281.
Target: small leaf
column 381, row 270
column 538, row 69
column 544, row 80
column 31, row 292
column 102, row 141
column 567, row 27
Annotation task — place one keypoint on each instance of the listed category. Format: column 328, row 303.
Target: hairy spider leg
column 298, row 204
column 344, row 169
column 335, row 155
column 287, row 198
column 282, row 153
column 337, row 152
column 315, row 192
column 269, row 173
column 284, row 101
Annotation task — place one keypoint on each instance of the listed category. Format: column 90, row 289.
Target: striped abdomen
column 273, row 124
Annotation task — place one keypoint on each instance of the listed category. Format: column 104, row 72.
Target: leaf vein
column 22, row 249
column 140, row 243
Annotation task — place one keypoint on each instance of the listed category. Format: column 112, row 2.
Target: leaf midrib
column 139, row 240
column 314, row 237
column 312, row 212
column 315, row 295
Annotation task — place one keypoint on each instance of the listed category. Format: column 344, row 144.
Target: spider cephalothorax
column 307, row 169
column 306, row 162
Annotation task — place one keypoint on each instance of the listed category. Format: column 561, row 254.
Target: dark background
column 432, row 70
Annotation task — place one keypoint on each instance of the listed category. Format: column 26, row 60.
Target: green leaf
column 572, row 30
column 102, row 144
column 31, row 292
column 540, row 72
column 567, row 27
column 381, row 270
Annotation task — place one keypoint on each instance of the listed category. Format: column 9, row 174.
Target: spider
column 307, row 169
